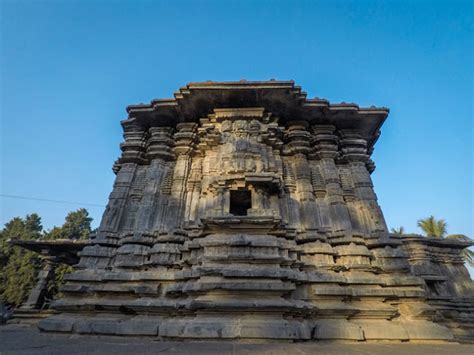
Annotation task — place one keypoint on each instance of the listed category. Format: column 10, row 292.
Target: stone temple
column 244, row 210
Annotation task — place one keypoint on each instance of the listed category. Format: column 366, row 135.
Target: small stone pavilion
column 244, row 210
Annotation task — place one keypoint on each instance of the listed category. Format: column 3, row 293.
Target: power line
column 48, row 200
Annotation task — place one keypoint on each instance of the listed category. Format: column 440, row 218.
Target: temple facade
column 245, row 210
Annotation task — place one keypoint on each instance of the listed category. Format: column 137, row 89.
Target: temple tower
column 244, row 210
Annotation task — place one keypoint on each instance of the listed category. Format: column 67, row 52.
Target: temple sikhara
column 245, row 210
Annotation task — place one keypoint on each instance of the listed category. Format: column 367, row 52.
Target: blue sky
column 69, row 68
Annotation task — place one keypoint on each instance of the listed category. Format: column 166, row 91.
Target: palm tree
column 398, row 231
column 432, row 227
column 467, row 254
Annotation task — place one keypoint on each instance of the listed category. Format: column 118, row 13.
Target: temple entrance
column 240, row 202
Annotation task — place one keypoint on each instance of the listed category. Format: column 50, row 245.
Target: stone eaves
column 282, row 98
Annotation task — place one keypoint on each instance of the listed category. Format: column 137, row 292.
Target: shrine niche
column 244, row 210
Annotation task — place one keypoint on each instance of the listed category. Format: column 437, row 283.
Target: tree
column 54, row 233
column 20, row 276
column 400, row 231
column 77, row 225
column 432, row 227
column 12, row 228
column 33, row 226
column 19, row 267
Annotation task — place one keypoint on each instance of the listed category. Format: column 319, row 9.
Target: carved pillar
column 347, row 185
column 309, row 209
column 298, row 146
column 160, row 144
column 133, row 154
column 222, row 199
column 185, row 140
column 193, row 189
column 290, row 206
column 159, row 152
column 319, row 189
column 121, row 213
column 354, row 154
column 326, row 150
column 258, row 202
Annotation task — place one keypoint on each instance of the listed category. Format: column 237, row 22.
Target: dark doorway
column 240, row 202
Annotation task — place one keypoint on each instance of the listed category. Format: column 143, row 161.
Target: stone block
column 333, row 329
column 60, row 323
column 140, row 325
column 234, row 327
column 426, row 330
column 383, row 330
column 96, row 326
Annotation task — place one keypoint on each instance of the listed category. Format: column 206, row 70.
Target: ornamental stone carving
column 245, row 210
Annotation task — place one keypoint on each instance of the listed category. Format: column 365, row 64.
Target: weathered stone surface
column 380, row 330
column 27, row 340
column 243, row 210
column 61, row 323
column 335, row 329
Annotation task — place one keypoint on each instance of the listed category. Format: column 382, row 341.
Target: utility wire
column 47, row 200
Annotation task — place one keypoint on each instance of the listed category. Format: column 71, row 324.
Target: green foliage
column 398, row 231
column 432, row 227
column 20, row 276
column 59, row 272
column 19, row 267
column 54, row 233
column 77, row 225
column 13, row 228
column 33, row 226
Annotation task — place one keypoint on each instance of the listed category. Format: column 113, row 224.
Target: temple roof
column 282, row 98
column 58, row 250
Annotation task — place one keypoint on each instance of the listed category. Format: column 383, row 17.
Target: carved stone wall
column 301, row 253
column 448, row 285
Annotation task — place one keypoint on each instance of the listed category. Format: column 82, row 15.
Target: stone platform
column 16, row 339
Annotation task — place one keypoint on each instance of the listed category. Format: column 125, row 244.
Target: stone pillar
column 298, row 146
column 257, row 199
column 320, row 193
column 193, row 191
column 133, row 153
column 354, row 154
column 37, row 295
column 185, row 140
column 291, row 208
column 159, row 152
column 100, row 254
column 308, row 208
column 326, row 150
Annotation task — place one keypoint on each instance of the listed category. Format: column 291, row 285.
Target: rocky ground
column 22, row 339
